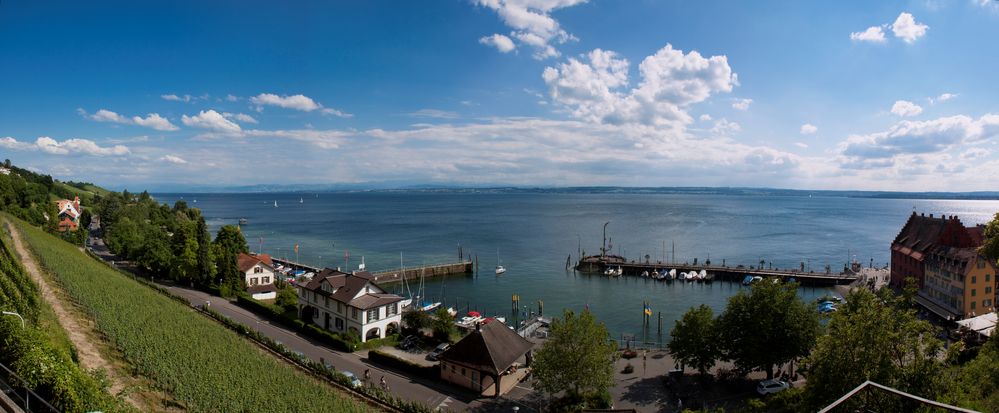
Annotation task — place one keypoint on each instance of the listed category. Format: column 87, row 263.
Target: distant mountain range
column 739, row 191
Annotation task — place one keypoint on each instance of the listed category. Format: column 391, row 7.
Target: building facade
column 258, row 273
column 961, row 281
column 69, row 214
column 349, row 304
column 484, row 360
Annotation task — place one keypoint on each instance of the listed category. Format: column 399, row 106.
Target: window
column 257, row 270
column 326, row 301
column 974, row 279
column 372, row 315
column 253, row 281
column 353, row 313
column 988, row 277
column 339, row 307
column 973, row 304
column 267, row 280
column 972, row 293
column 392, row 309
column 988, row 290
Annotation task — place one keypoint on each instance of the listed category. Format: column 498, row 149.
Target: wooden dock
column 396, row 275
column 597, row 264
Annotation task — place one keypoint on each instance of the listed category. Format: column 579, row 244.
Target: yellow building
column 960, row 281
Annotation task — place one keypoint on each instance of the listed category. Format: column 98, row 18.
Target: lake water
column 533, row 233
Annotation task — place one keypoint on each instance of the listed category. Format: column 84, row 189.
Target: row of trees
column 171, row 242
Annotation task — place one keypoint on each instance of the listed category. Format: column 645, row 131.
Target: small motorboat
column 500, row 269
column 243, row 221
column 645, row 273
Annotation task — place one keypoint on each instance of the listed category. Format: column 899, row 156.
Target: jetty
column 396, row 275
column 599, row 263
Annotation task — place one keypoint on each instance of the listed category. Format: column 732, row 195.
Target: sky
column 808, row 95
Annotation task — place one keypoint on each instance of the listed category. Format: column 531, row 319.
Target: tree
column 877, row 338
column 205, row 271
column 442, row 324
column 767, row 327
column 184, row 244
column 991, row 247
column 416, row 320
column 976, row 384
column 577, row 358
column 287, row 298
column 227, row 245
column 694, row 339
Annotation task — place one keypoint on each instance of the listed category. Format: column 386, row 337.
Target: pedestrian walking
column 384, row 384
column 367, row 375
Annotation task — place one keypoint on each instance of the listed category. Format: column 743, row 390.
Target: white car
column 771, row 386
column 354, row 381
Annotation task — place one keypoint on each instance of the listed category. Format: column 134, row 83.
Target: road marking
column 443, row 404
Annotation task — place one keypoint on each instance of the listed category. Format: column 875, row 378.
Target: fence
column 17, row 390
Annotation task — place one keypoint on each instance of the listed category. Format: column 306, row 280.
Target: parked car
column 354, row 381
column 408, row 342
column 436, row 352
column 771, row 386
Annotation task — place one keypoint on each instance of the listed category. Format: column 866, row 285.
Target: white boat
column 301, row 200
column 645, row 273
column 275, row 203
column 429, row 306
column 609, row 271
column 499, row 267
column 620, row 271
column 672, row 274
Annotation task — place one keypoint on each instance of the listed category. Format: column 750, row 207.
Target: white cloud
column 532, row 23
column 241, row 117
column 69, row 146
column 705, row 117
column 499, row 41
column 335, row 112
column 908, row 138
column 296, row 102
column 594, row 89
column 975, row 153
column 231, row 98
column 742, row 104
column 907, row 29
column 942, row 98
column 175, row 98
column 723, row 127
column 801, row 145
column 808, row 129
column 434, row 113
column 152, row 120
column 211, row 120
column 155, row 121
column 173, row 159
column 904, row 108
column 873, row 34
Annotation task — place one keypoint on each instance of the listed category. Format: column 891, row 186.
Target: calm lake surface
column 533, row 233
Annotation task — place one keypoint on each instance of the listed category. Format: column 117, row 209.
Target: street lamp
column 16, row 315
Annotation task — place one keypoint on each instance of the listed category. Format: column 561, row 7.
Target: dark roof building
column 918, row 237
column 484, row 357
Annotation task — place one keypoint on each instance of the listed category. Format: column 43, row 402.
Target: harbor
column 386, row 277
column 613, row 265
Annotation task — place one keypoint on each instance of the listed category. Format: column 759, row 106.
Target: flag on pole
column 296, row 248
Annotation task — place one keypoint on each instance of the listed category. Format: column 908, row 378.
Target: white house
column 258, row 272
column 349, row 303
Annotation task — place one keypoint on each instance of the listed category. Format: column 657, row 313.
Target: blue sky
column 822, row 95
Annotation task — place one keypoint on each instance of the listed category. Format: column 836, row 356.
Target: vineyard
column 40, row 355
column 201, row 364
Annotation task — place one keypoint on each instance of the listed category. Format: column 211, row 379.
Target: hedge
column 405, row 366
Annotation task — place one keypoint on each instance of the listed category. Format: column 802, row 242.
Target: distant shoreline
column 734, row 191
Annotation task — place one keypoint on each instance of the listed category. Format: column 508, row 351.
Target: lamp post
column 16, row 315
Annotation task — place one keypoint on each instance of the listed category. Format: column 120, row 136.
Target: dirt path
column 87, row 352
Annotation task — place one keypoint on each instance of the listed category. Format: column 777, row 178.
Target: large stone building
column 349, row 303
column 941, row 255
column 918, row 237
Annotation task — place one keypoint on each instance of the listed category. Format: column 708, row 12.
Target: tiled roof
column 347, row 286
column 491, row 348
column 246, row 262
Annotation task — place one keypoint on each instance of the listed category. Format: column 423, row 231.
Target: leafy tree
column 577, row 358
column 442, row 324
column 287, row 299
column 976, row 384
column 184, row 244
column 875, row 338
column 766, row 327
column 227, row 245
column 416, row 319
column 205, row 271
column 694, row 339
column 991, row 247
